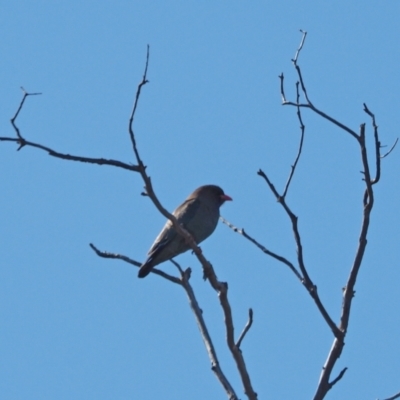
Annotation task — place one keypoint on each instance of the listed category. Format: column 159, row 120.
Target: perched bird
column 198, row 214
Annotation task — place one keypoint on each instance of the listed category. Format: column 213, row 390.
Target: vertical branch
column 303, row 38
column 324, row 384
column 302, row 129
column 138, row 91
column 215, row 366
column 348, row 293
column 21, row 140
column 303, row 87
column 220, row 287
column 377, row 146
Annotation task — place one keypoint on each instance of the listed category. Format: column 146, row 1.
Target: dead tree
column 299, row 269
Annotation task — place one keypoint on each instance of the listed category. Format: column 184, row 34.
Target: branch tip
column 338, row 378
column 246, row 328
column 391, row 149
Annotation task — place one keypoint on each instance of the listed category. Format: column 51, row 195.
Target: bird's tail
column 145, row 269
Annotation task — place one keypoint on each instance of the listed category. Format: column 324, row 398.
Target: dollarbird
column 198, row 214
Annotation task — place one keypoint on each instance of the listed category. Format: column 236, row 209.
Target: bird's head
column 211, row 193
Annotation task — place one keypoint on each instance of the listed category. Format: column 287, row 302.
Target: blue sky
column 75, row 326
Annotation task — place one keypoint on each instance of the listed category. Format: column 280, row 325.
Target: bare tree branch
column 377, row 145
column 209, row 272
column 13, row 119
column 215, row 365
column 391, row 149
column 23, row 142
column 302, row 129
column 105, row 254
column 246, row 328
column 283, row 97
column 220, row 287
column 338, row 378
column 184, row 282
column 303, row 38
column 99, row 161
column 394, row 397
column 339, row 331
column 296, row 57
column 303, row 88
column 307, row 282
column 323, row 115
column 368, row 201
column 263, row 249
column 348, row 292
column 324, row 385
column 135, row 104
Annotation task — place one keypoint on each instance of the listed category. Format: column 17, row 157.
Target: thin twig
column 248, row 325
column 309, row 103
column 26, row 94
column 303, row 38
column 377, row 146
column 23, row 142
column 283, row 97
column 394, row 397
column 135, row 104
column 338, row 378
column 325, row 116
column 391, row 149
column 303, row 87
column 116, row 256
column 294, row 221
column 302, row 129
column 262, row 248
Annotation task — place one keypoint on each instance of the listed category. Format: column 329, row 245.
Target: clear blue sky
column 74, row 326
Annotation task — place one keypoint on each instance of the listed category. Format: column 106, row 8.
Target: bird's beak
column 225, row 197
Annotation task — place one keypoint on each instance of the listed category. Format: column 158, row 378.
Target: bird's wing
column 187, row 211
column 168, row 239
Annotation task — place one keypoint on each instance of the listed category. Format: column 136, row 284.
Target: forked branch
column 220, row 287
column 21, row 141
column 325, row 384
column 215, row 365
column 339, row 330
column 183, row 281
column 209, row 273
column 116, row 256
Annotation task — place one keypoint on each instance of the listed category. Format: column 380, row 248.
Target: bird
column 198, row 214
